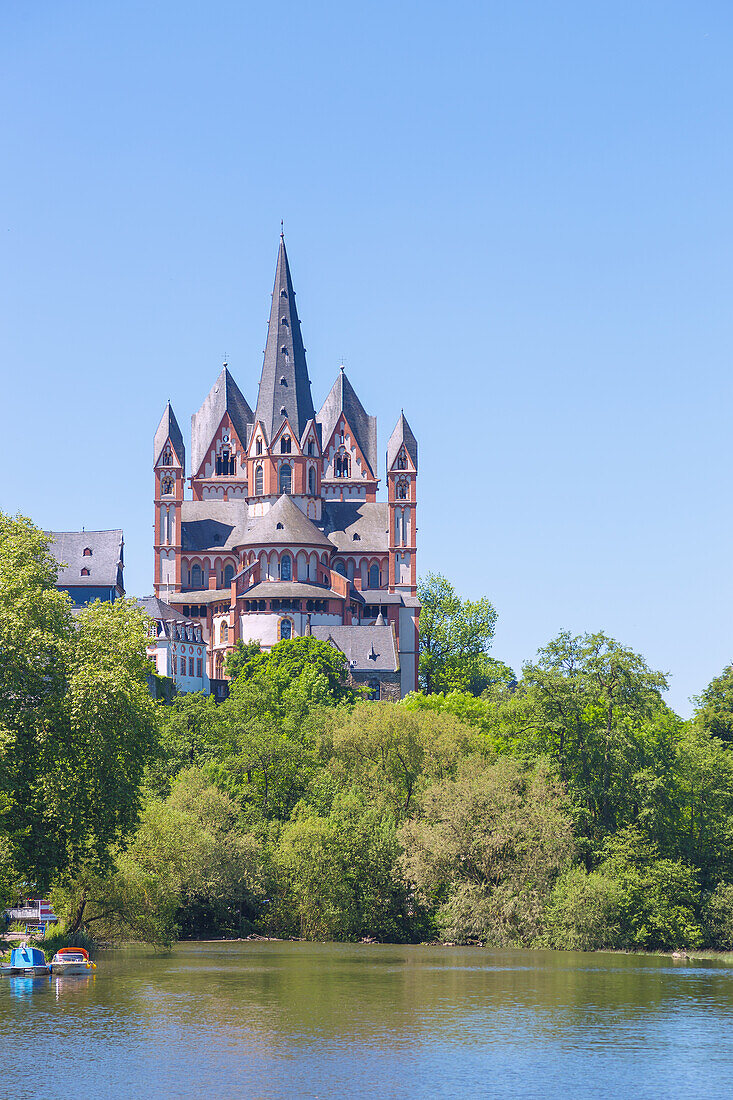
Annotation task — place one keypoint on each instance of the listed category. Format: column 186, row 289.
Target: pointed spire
column 168, row 429
column 401, row 434
column 343, row 399
column 285, row 388
column 224, row 396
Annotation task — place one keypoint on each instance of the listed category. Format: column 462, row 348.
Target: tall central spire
column 285, row 388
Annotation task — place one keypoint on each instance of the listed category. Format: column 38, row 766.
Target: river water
column 285, row 1021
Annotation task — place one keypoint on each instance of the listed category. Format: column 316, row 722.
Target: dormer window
column 285, row 445
column 285, row 351
column 402, row 461
column 357, row 536
column 283, row 411
column 258, row 447
column 279, row 526
column 284, row 322
column 283, row 381
column 283, row 293
column 87, row 551
column 85, row 572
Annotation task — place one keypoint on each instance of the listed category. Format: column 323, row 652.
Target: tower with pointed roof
column 283, row 533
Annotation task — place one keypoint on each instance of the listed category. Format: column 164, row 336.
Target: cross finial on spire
column 282, row 229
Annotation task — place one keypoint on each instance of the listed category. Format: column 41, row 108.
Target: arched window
column 402, row 489
column 197, row 577
column 312, row 481
column 285, row 445
column 87, row 551
column 286, row 478
column 374, row 689
column 167, row 457
column 311, row 450
column 258, row 447
column 286, row 629
column 85, row 572
column 259, row 479
column 342, row 465
column 286, row 568
column 224, row 632
column 167, row 486
column 374, row 576
column 283, row 381
column 228, row 575
column 341, row 568
column 402, row 460
column 284, row 322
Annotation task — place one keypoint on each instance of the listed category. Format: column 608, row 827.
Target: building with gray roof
column 277, row 531
column 90, row 564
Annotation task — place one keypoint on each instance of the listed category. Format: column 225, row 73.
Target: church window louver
column 167, row 486
column 225, row 464
column 285, row 445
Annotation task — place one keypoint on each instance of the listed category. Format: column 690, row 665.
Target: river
column 285, row 1021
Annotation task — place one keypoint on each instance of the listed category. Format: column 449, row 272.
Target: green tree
column 594, row 706
column 714, row 712
column 391, row 752
column 246, row 659
column 76, row 719
column 487, row 849
column 341, row 874
column 455, row 638
column 189, row 869
column 190, row 735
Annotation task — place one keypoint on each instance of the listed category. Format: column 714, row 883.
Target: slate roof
column 224, row 525
column 343, row 399
column 289, row 590
column 213, row 524
column 401, row 434
column 201, row 595
column 161, row 611
column 366, row 648
column 341, row 520
column 284, row 383
column 105, row 563
column 224, row 396
column 168, row 428
column 296, row 527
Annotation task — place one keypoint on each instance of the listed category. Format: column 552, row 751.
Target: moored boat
column 26, row 960
column 72, row 960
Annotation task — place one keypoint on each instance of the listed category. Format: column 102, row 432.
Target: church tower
column 349, row 445
column 169, row 465
column 402, row 496
column 284, row 448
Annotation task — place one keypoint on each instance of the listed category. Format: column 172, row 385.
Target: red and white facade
column 279, row 531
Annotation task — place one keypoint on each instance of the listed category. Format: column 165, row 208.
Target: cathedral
column 281, row 533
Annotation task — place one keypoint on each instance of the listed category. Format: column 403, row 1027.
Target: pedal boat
column 72, row 960
column 27, row 961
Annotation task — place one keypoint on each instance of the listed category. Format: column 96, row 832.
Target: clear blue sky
column 514, row 220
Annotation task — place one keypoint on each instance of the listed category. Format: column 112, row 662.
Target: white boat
column 72, row 960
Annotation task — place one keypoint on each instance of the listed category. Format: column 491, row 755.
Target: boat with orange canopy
column 72, row 960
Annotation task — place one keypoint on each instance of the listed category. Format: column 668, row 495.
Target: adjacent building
column 90, row 563
column 176, row 646
column 275, row 530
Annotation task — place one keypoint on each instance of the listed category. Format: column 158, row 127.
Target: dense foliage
column 568, row 808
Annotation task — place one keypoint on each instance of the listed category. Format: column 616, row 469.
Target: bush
column 717, row 918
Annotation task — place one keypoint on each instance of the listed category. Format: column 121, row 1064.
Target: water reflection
column 301, row 1020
